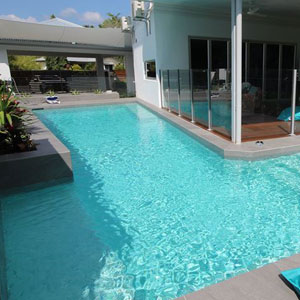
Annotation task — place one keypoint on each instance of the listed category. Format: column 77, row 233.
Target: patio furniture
column 44, row 83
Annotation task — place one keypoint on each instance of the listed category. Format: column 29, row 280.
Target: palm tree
column 114, row 21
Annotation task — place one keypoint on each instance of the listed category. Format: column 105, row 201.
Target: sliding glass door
column 266, row 86
column 210, row 61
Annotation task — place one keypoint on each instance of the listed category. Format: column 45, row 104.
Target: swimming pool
column 151, row 214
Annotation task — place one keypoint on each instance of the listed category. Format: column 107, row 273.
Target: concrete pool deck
column 260, row 284
column 246, row 151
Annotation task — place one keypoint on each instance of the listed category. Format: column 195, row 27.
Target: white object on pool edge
column 259, row 143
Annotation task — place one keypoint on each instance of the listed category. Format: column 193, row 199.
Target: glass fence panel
column 174, row 90
column 165, row 88
column 200, row 96
column 221, row 101
column 264, row 104
column 185, row 93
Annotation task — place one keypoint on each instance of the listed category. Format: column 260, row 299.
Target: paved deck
column 259, row 284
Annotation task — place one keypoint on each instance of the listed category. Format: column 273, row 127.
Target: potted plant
column 52, row 98
column 120, row 71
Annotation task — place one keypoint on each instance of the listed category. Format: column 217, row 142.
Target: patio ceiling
column 279, row 9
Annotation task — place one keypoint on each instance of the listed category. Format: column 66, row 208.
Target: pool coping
column 51, row 161
column 225, row 148
column 264, row 283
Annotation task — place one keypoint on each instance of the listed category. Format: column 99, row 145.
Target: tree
column 114, row 21
column 25, row 63
column 76, row 67
column 88, row 26
column 56, row 62
column 52, row 16
column 91, row 66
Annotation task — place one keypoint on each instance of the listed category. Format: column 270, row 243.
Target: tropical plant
column 51, row 93
column 119, row 67
column 114, row 21
column 98, row 91
column 13, row 119
column 91, row 66
column 75, row 93
column 21, row 62
column 76, row 67
column 56, row 63
column 25, row 95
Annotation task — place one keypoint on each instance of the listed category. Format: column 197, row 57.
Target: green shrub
column 51, row 93
column 98, row 91
column 75, row 93
column 119, row 67
column 13, row 134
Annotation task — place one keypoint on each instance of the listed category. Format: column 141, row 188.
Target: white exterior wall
column 175, row 28
column 4, row 66
column 144, row 49
column 169, row 42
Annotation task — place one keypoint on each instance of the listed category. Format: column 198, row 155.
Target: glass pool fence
column 200, row 96
column 270, row 103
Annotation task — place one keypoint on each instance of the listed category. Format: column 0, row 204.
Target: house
column 225, row 65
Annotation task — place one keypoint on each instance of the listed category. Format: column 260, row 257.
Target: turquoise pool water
column 151, row 214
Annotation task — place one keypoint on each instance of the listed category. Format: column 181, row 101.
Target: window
column 150, row 69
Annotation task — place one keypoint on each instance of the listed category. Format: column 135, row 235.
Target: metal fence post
column 209, row 112
column 179, row 102
column 192, row 96
column 161, row 89
column 293, row 109
column 169, row 106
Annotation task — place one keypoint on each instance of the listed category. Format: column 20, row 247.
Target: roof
column 81, row 59
column 106, row 60
column 108, row 38
column 59, row 22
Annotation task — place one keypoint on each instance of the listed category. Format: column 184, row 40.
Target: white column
column 100, row 73
column 236, row 69
column 4, row 66
column 130, row 81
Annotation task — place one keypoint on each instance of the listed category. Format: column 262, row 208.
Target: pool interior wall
column 151, row 214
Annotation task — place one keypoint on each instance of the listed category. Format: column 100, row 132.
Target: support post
column 169, row 105
column 293, row 110
column 192, row 96
column 209, row 85
column 179, row 98
column 279, row 73
column 237, row 44
column 130, row 74
column 100, row 73
column 5, row 74
column 264, row 73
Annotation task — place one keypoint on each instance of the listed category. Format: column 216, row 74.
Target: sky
column 88, row 12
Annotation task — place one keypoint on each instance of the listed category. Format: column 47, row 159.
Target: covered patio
column 39, row 39
column 240, row 79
